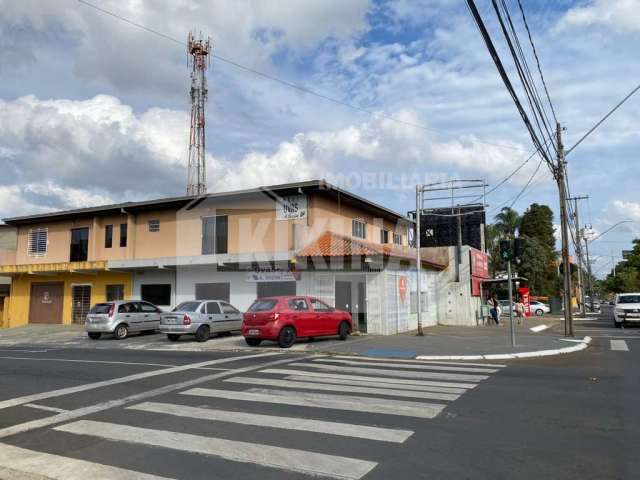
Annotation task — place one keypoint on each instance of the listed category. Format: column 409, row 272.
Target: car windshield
column 629, row 299
column 187, row 307
column 100, row 308
column 262, row 305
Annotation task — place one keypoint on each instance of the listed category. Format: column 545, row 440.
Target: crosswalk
column 237, row 419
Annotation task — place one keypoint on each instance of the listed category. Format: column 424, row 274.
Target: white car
column 626, row 308
column 539, row 308
column 200, row 318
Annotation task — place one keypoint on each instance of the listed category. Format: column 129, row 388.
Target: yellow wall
column 17, row 312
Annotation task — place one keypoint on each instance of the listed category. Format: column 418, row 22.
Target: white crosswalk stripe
column 317, row 400
column 289, row 459
column 371, row 383
column 619, row 345
column 20, row 463
column 274, row 421
column 449, row 368
column 365, row 360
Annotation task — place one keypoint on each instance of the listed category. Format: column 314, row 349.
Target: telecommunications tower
column 198, row 51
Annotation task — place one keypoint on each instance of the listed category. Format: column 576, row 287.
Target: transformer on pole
column 198, row 51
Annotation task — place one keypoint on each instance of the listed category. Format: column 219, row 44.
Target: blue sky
column 93, row 110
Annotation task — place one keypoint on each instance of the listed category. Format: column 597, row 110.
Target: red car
column 284, row 319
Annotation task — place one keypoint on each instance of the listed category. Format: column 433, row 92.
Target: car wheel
column 618, row 324
column 253, row 342
column 343, row 331
column 287, row 337
column 121, row 332
column 202, row 334
column 94, row 335
column 173, row 337
column 539, row 312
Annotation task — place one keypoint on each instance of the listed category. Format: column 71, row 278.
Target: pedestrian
column 495, row 308
column 519, row 310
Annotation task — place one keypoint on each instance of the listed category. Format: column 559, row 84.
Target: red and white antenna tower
column 198, row 51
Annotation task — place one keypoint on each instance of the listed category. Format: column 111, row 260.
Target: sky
column 94, row 110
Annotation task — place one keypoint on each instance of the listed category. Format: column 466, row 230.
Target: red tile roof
column 331, row 244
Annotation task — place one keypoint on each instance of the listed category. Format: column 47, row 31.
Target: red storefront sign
column 526, row 300
column 479, row 262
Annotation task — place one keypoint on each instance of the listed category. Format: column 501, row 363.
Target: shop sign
column 402, row 288
column 526, row 300
column 479, row 263
column 46, row 297
column 292, row 207
column 272, row 276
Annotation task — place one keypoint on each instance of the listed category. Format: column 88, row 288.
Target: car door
column 232, row 317
column 326, row 319
column 128, row 313
column 214, row 316
column 303, row 317
column 150, row 316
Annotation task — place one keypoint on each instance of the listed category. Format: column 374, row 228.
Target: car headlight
column 620, row 311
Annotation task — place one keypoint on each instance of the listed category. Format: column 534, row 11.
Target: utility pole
column 418, row 259
column 589, row 285
column 564, row 222
column 511, row 325
column 576, row 218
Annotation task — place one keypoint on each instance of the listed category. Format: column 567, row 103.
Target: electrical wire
column 289, row 84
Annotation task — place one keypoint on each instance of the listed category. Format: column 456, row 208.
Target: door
column 361, row 307
column 276, row 289
column 214, row 316
column 326, row 317
column 128, row 313
column 343, row 296
column 149, row 316
column 81, row 298
column 232, row 317
column 213, row 291
column 46, row 302
column 303, row 317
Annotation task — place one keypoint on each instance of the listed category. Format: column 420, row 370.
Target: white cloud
column 630, row 210
column 621, row 15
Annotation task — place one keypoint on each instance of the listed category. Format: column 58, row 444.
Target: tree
column 507, row 222
column 537, row 222
column 627, row 277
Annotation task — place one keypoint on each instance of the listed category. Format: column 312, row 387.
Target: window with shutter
column 38, row 242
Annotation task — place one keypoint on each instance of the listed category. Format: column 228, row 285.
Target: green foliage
column 627, row 277
column 507, row 222
column 537, row 222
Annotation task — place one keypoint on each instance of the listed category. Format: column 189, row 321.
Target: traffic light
column 505, row 250
column 519, row 245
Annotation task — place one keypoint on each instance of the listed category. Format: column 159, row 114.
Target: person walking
column 519, row 310
column 495, row 308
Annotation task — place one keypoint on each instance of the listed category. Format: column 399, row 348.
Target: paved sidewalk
column 440, row 341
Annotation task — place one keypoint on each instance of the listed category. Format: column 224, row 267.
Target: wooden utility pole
column 564, row 227
column 576, row 218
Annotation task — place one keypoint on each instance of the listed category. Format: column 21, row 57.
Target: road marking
column 539, row 328
column 45, row 408
column 409, row 367
column 99, row 407
column 619, row 345
column 40, row 359
column 364, row 360
column 272, row 421
column 115, row 381
column 289, row 459
column 271, row 382
column 24, row 464
column 399, row 381
column 396, row 373
column 337, row 381
column 318, row 400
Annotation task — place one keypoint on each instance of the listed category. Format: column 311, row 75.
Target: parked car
column 626, row 308
column 200, row 318
column 121, row 317
column 286, row 318
column 539, row 308
column 504, row 307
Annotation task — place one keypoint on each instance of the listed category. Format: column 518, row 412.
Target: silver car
column 121, row 317
column 200, row 318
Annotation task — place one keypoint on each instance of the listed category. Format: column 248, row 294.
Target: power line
column 535, row 172
column 603, row 119
column 286, row 83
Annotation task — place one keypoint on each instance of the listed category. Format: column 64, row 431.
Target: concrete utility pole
column 564, row 222
column 418, row 259
column 589, row 284
column 511, row 325
column 576, row 217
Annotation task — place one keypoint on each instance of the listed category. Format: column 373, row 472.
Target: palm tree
column 507, row 222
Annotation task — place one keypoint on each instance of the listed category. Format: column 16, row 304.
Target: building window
column 108, row 236
column 79, row 245
column 115, row 292
column 215, row 234
column 154, row 225
column 158, row 294
column 123, row 234
column 359, row 229
column 38, row 242
column 384, row 236
column 397, row 238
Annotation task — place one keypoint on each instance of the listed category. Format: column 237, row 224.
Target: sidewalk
column 438, row 343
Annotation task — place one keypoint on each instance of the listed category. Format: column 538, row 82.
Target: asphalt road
column 123, row 414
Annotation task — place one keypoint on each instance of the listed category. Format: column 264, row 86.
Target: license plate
column 170, row 321
column 254, row 332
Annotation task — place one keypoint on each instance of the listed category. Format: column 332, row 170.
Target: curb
column 584, row 343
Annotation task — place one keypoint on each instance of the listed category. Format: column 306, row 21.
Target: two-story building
column 300, row 238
